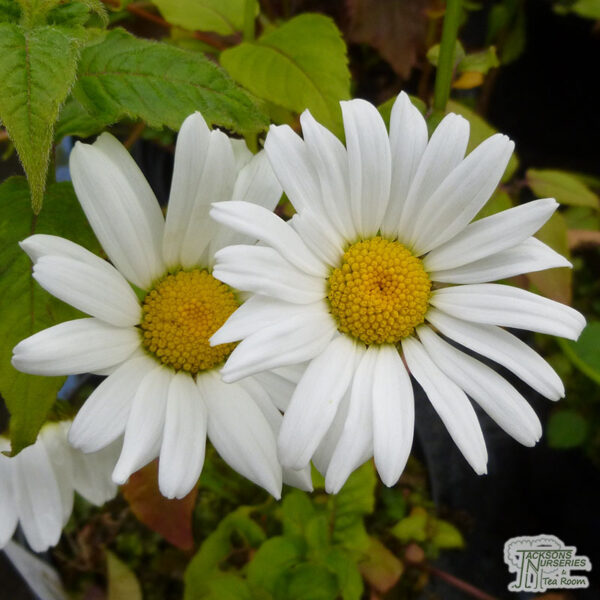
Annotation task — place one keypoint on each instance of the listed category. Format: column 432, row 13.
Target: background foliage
column 78, row 67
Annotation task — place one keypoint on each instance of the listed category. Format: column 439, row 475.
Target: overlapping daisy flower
column 379, row 268
column 36, row 486
column 163, row 390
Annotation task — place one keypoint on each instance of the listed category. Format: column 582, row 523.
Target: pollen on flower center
column 180, row 315
column 380, row 292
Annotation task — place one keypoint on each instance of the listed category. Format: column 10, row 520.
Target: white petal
column 408, row 140
column 462, row 194
column 320, row 236
column 99, row 290
column 120, row 207
column 41, row 244
column 291, row 163
column 355, row 444
column 493, row 234
column 451, row 404
column 496, row 304
column 393, row 415
column 8, row 509
column 289, row 342
column 300, row 479
column 184, row 438
column 74, row 347
column 330, row 160
column 444, row 152
column 504, row 348
column 491, row 391
column 240, row 433
column 103, row 416
column 144, row 429
column 254, row 314
column 92, row 473
column 281, row 383
column 216, row 185
column 369, row 164
column 241, row 153
column 264, row 225
column 262, row 270
column 527, row 257
column 315, row 402
column 256, row 183
column 37, row 497
column 324, row 452
column 54, row 438
column 192, row 146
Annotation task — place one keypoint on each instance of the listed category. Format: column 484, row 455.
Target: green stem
column 249, row 16
column 443, row 76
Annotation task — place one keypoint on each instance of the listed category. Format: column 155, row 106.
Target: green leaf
column 566, row 429
column 588, row 9
column 348, row 576
column 302, row 64
column 445, row 535
column 433, row 54
column 584, row 352
column 75, row 120
column 380, row 567
column 480, row 62
column 77, row 12
column 480, row 130
column 312, row 582
column 124, row 76
column 217, row 547
column 413, row 527
column 554, row 283
column 37, row 69
column 269, row 569
column 565, row 187
column 25, row 307
column 10, row 11
column 225, row 586
column 122, row 582
column 221, row 16
column 296, row 511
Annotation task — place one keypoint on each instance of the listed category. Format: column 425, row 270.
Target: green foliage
column 122, row 583
column 588, row 9
column 301, row 64
column 565, row 187
column 10, row 11
column 75, row 120
column 37, row 69
column 480, row 62
column 124, row 76
column 24, row 306
column 566, row 429
column 221, row 16
column 584, row 352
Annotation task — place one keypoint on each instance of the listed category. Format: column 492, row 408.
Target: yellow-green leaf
column 564, row 187
column 122, row 582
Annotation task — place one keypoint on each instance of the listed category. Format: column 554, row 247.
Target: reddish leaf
column 171, row 518
column 380, row 567
column 396, row 29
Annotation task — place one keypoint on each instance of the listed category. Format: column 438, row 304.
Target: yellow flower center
column 380, row 292
column 180, row 315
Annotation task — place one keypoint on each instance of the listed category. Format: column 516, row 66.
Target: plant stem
column 443, row 76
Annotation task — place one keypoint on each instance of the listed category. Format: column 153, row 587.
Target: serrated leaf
column 37, row 69
column 269, row 569
column 566, row 429
column 25, row 307
column 10, row 11
column 302, row 64
column 584, row 352
column 564, row 187
column 122, row 582
column 124, row 76
column 554, row 283
column 170, row 518
column 221, row 16
column 348, row 577
column 312, row 582
column 296, row 512
column 77, row 12
column 75, row 120
column 480, row 130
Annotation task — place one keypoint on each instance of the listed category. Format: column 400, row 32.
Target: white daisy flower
column 36, row 486
column 380, row 259
column 163, row 389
